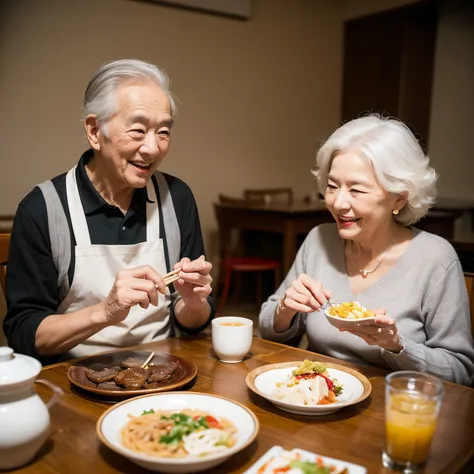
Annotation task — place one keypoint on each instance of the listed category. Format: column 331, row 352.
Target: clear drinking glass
column 412, row 403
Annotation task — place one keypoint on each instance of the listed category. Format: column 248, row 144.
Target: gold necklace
column 365, row 273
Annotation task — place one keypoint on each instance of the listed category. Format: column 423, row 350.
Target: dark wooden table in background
column 287, row 219
column 299, row 217
column 354, row 434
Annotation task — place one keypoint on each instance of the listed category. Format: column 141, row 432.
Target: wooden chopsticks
column 171, row 276
column 145, row 364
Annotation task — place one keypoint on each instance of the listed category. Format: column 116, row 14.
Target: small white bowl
column 115, row 418
column 346, row 323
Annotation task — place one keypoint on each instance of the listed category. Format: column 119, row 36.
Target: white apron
column 95, row 271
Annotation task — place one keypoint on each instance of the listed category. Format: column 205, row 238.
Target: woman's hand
column 304, row 295
column 194, row 283
column 134, row 286
column 382, row 333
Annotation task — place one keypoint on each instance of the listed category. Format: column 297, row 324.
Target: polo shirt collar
column 92, row 201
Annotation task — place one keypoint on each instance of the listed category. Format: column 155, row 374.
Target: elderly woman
column 377, row 184
column 89, row 249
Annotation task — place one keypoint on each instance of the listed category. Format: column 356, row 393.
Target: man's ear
column 93, row 131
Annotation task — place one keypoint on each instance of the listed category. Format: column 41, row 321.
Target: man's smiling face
column 138, row 135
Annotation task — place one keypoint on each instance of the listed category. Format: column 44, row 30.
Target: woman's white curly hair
column 397, row 158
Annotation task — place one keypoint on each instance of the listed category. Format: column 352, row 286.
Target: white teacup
column 232, row 338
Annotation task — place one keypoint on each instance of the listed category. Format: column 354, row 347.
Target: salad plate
column 300, row 462
column 276, row 383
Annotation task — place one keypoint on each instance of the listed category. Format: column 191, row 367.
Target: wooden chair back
column 284, row 194
column 469, row 277
column 224, row 199
column 4, row 248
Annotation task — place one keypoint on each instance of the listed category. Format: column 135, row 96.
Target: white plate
column 307, row 456
column 344, row 323
column 356, row 387
column 113, row 420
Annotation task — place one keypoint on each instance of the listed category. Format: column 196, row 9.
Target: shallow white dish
column 344, row 323
column 307, row 456
column 356, row 387
column 113, row 420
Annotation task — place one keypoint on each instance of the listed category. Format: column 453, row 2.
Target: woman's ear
column 93, row 131
column 400, row 201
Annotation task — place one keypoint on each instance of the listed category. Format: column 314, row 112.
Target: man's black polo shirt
column 31, row 287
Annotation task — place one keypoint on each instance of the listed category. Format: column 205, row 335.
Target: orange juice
column 410, row 425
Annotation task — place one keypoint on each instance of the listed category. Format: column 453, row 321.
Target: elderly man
column 89, row 249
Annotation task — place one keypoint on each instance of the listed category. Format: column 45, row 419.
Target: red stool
column 240, row 265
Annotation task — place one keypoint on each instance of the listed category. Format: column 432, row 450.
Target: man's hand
column 134, row 286
column 194, row 283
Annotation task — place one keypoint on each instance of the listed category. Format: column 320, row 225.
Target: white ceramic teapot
column 24, row 417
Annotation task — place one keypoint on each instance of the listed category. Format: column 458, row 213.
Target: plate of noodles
column 121, row 374
column 309, row 387
column 179, row 432
column 349, row 315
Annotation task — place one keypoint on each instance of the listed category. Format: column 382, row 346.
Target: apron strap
column 59, row 235
column 78, row 218
column 152, row 214
column 170, row 221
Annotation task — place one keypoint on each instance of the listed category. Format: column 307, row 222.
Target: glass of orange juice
column 412, row 402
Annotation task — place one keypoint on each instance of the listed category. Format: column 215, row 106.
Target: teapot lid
column 16, row 367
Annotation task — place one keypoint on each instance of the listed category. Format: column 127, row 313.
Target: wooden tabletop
column 354, row 434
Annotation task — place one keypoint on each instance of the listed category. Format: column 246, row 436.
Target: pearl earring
column 395, row 212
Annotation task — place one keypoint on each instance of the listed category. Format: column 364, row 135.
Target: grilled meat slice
column 133, row 378
column 161, row 373
column 131, row 362
column 100, row 376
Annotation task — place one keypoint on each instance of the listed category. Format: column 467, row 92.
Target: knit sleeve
column 267, row 313
column 448, row 351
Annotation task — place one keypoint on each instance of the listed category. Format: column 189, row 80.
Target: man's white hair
column 398, row 160
column 100, row 99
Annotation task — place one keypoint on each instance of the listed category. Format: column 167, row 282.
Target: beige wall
column 452, row 117
column 256, row 95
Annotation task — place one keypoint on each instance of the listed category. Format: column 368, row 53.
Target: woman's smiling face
column 355, row 198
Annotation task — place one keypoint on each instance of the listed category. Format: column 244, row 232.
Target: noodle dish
column 177, row 432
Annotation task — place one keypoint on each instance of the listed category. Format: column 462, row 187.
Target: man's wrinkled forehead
column 145, row 119
column 143, row 101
